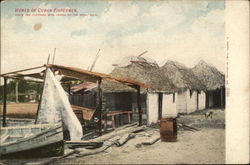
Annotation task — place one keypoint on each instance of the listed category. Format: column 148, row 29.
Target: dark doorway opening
column 197, row 100
column 160, row 106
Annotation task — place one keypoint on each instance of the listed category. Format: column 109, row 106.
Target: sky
column 184, row 31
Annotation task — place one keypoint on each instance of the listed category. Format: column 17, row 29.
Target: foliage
column 23, row 87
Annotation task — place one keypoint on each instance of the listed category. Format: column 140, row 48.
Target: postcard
column 126, row 81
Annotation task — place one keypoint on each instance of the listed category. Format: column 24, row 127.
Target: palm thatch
column 181, row 76
column 209, row 75
column 110, row 87
column 148, row 73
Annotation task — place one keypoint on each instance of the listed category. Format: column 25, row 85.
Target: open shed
column 77, row 73
column 157, row 101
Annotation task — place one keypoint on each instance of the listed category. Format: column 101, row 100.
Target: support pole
column 4, row 102
column 139, row 105
column 69, row 88
column 207, row 100
column 17, row 101
column 15, row 72
column 100, row 106
column 53, row 60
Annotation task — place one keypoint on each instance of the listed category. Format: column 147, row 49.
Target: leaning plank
column 184, row 126
column 110, row 135
column 84, row 144
column 107, row 144
column 88, row 134
column 128, row 125
column 3, row 138
column 124, row 139
column 135, row 124
column 116, row 131
column 190, row 127
column 91, row 152
column 151, row 140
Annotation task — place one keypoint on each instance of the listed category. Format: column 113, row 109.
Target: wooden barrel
column 168, row 129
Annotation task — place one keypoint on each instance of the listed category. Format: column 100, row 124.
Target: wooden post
column 207, row 100
column 129, row 118
column 160, row 97
column 113, row 121
column 105, row 122
column 17, row 91
column 69, row 88
column 139, row 105
column 4, row 101
column 53, row 60
column 100, row 106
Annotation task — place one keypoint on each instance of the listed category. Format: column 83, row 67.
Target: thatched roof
column 110, row 87
column 148, row 73
column 209, row 75
column 181, row 76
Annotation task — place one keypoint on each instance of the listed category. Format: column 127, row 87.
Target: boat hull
column 55, row 149
column 45, row 143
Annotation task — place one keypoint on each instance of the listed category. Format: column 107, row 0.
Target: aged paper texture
column 198, row 37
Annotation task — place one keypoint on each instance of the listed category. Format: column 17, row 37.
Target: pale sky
column 185, row 31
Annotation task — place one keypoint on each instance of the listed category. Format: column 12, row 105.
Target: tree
column 23, row 87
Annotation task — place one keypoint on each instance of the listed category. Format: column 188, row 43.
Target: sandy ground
column 203, row 147
column 206, row 146
column 21, row 110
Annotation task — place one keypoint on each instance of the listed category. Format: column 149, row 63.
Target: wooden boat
column 40, row 140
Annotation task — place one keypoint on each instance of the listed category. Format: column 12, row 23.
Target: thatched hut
column 157, row 101
column 214, row 81
column 190, row 95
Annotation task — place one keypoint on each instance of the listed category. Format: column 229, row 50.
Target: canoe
column 40, row 140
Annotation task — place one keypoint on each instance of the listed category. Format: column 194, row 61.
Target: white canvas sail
column 55, row 107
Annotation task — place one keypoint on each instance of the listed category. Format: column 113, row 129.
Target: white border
column 237, row 103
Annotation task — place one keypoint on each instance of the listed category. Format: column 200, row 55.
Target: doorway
column 160, row 105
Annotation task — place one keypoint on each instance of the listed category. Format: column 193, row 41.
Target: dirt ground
column 203, row 147
column 206, row 146
column 21, row 110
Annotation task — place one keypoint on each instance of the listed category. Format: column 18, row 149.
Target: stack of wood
column 118, row 137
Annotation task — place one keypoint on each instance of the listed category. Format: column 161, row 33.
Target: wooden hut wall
column 169, row 106
column 121, row 101
column 143, row 103
column 125, row 101
column 85, row 100
column 143, row 107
